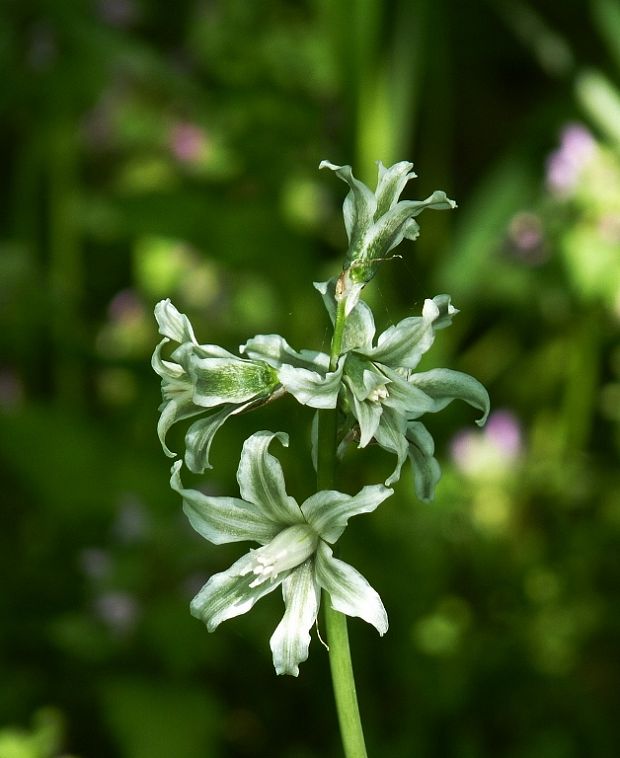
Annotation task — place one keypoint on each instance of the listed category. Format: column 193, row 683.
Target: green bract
column 376, row 222
column 295, row 551
column 202, row 378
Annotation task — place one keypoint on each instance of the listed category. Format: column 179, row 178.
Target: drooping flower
column 380, row 392
column 207, row 379
column 376, row 222
column 295, row 551
column 386, row 396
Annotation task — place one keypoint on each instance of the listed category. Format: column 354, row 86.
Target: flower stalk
column 341, row 665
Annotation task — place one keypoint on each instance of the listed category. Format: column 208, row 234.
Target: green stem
column 336, row 622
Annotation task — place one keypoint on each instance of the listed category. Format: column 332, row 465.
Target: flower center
column 288, row 549
column 378, row 394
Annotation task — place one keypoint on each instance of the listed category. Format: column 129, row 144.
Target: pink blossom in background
column 125, row 306
column 187, row 142
column 527, row 238
column 564, row 165
column 504, row 431
column 492, row 450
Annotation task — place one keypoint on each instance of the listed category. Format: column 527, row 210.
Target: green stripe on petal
column 389, row 230
column 444, row 385
column 348, row 590
column 225, row 380
column 328, row 512
column 291, row 639
column 229, row 594
column 261, row 480
column 223, row 519
column 390, row 184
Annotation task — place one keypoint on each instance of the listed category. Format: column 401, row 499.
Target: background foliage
column 155, row 150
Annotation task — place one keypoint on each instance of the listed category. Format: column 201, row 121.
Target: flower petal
column 166, row 369
column 230, row 380
column 291, row 639
column 171, row 412
column 364, row 378
column 327, row 291
column 275, row 350
column 328, row 511
column 311, row 388
column 359, row 205
column 261, row 480
column 402, row 399
column 223, row 519
column 389, row 230
column 359, row 328
column 200, row 436
column 390, row 435
column 426, row 471
column 403, row 344
column 349, row 592
column 230, row 594
column 367, row 412
column 172, row 324
column 444, row 385
column 390, row 184
column 446, row 312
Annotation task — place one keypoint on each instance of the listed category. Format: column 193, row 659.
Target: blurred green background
column 154, row 150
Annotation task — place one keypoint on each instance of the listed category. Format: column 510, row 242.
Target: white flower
column 207, row 379
column 376, row 222
column 295, row 552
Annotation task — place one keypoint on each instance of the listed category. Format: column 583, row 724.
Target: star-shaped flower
column 203, row 378
column 296, row 551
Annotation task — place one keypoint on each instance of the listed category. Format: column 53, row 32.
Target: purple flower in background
column 504, row 432
column 494, row 450
column 526, row 238
column 564, row 165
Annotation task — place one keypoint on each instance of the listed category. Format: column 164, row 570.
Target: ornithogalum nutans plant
column 366, row 389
